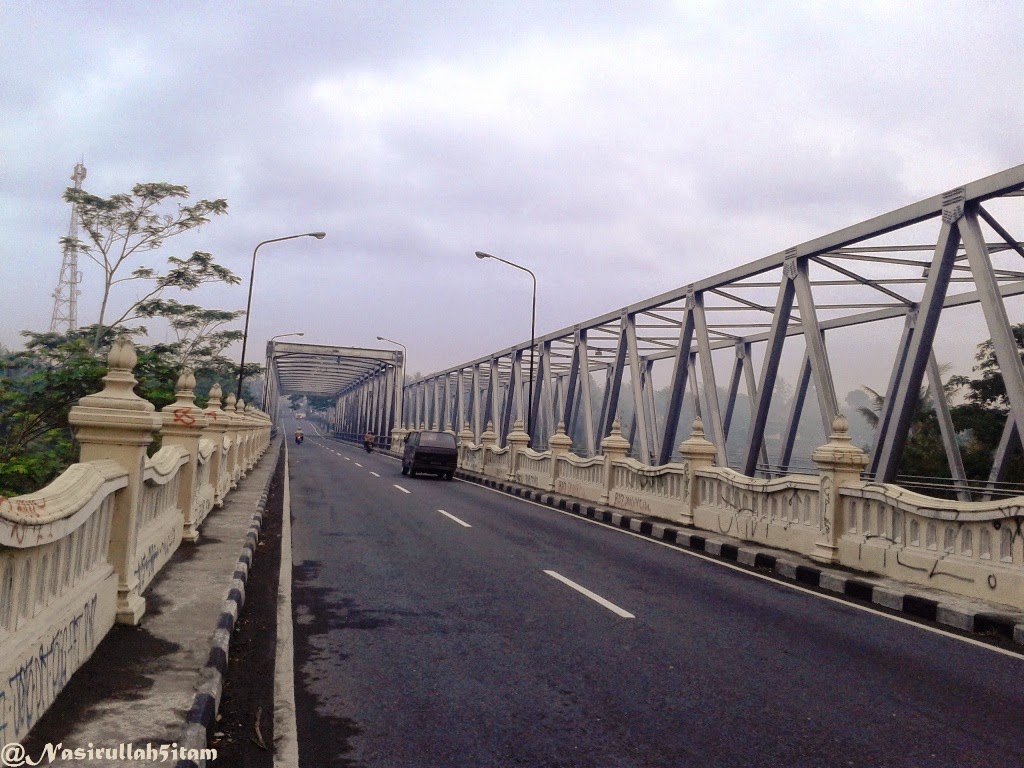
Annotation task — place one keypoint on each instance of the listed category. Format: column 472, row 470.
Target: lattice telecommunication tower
column 65, row 298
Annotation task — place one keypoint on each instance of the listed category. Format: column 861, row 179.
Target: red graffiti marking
column 184, row 416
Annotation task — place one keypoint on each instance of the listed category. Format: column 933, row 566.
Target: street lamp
column 405, row 351
column 533, row 326
column 270, row 346
column 248, row 303
column 399, row 417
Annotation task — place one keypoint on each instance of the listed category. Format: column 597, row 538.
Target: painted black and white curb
column 203, row 715
column 964, row 615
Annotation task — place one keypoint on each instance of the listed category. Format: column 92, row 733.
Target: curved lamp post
column 533, row 326
column 248, row 303
column 269, row 344
column 400, row 417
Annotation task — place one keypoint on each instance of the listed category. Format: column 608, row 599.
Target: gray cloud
column 619, row 149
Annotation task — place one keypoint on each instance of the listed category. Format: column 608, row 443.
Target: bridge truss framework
column 911, row 266
column 365, row 383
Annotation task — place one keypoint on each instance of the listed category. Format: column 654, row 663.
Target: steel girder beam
column 1003, row 343
column 770, row 369
column 817, row 354
column 946, row 429
column 713, row 423
column 613, row 384
column 680, row 371
column 795, row 412
column 643, row 450
column 908, row 385
column 1004, row 451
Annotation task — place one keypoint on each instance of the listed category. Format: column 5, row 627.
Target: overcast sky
column 619, row 149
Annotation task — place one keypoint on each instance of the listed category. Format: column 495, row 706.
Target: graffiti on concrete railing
column 36, row 683
column 631, row 502
column 570, row 488
column 22, row 506
column 184, row 416
column 528, row 478
column 146, row 567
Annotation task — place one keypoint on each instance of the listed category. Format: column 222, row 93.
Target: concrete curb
column 203, row 714
column 955, row 613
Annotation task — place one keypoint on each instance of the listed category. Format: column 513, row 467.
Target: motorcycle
column 368, row 445
column 299, row 437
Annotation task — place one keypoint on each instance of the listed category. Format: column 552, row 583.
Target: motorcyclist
column 368, row 439
column 299, row 437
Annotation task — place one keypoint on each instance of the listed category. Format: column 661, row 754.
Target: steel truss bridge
column 885, row 283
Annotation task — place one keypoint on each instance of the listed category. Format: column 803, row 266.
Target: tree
column 125, row 226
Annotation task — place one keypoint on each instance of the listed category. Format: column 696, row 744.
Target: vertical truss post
column 460, row 401
column 492, row 411
column 947, row 431
column 734, row 387
column 636, row 380
column 542, row 398
column 513, row 397
column 1001, row 459
column 475, row 404
column 698, row 410
column 770, row 367
column 817, row 353
column 583, row 354
column 680, row 370
column 1003, row 342
column 444, row 420
column 900, row 363
column 714, row 421
column 795, row 411
column 651, row 413
column 908, row 387
column 570, row 402
column 614, row 382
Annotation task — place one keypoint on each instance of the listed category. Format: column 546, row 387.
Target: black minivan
column 435, row 452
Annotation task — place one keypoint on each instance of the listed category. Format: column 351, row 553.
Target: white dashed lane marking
column 463, row 523
column 595, row 597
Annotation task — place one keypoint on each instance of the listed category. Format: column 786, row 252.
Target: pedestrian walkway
column 142, row 682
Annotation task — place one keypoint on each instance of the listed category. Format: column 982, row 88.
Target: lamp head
column 318, row 235
column 482, row 255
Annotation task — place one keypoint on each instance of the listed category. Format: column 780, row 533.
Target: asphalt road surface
column 444, row 624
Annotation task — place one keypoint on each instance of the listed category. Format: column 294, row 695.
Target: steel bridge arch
column 863, row 274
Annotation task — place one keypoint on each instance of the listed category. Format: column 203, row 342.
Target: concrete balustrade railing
column 973, row 549
column 76, row 556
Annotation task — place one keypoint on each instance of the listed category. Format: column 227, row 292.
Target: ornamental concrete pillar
column 465, row 439
column 489, row 441
column 118, row 424
column 518, row 439
column 559, row 445
column 614, row 447
column 244, row 411
column 216, row 432
column 183, row 424
column 697, row 452
column 233, row 439
column 398, row 439
column 839, row 463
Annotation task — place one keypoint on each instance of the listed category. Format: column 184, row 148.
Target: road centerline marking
column 593, row 596
column 359, row 465
column 403, row 490
column 463, row 523
column 374, row 474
